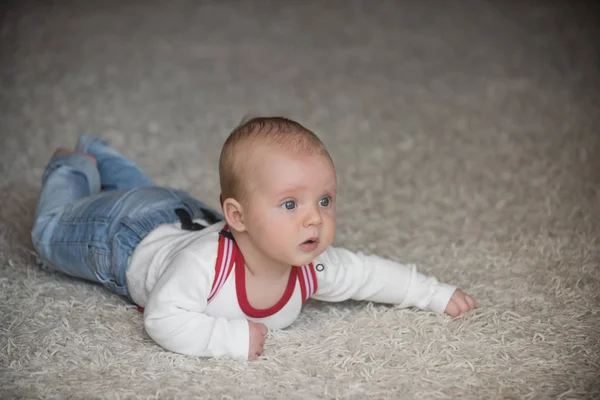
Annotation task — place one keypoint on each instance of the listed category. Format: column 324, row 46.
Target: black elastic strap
column 226, row 234
column 186, row 221
column 210, row 217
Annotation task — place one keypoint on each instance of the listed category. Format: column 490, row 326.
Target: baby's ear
column 234, row 214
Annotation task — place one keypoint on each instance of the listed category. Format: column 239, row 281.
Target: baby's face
column 290, row 214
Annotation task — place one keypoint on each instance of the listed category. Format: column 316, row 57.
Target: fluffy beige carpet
column 466, row 136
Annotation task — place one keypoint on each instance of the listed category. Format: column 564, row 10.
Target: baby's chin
column 307, row 259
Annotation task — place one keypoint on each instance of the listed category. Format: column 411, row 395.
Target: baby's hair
column 281, row 132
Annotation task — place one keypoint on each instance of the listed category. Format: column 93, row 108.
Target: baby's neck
column 257, row 264
column 274, row 274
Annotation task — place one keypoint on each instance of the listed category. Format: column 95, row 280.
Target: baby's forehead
column 276, row 168
column 254, row 153
column 263, row 153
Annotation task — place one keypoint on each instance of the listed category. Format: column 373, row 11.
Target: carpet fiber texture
column 466, row 136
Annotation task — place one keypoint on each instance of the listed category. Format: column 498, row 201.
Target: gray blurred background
column 466, row 139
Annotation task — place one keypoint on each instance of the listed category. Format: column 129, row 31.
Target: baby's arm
column 174, row 315
column 347, row 275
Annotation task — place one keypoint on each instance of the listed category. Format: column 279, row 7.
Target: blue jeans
column 90, row 218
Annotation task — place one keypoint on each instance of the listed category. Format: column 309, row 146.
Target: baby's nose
column 313, row 217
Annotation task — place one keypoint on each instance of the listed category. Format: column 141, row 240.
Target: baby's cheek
column 330, row 221
column 329, row 232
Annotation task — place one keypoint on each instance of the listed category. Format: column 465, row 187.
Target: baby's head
column 278, row 189
column 279, row 134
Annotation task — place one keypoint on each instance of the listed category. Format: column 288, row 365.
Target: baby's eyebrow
column 289, row 189
column 332, row 189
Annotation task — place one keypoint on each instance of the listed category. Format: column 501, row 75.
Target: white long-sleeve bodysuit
column 192, row 308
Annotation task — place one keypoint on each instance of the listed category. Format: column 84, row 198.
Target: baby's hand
column 257, row 339
column 460, row 303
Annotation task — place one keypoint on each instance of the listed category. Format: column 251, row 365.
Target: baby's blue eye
column 324, row 202
column 289, row 205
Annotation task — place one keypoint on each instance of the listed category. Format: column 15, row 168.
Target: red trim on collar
column 240, row 283
column 223, row 265
column 308, row 281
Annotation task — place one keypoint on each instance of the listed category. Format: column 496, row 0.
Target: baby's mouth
column 309, row 245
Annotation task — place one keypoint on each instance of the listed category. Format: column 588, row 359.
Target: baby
column 210, row 284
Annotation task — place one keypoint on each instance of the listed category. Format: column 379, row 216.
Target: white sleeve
column 174, row 315
column 343, row 275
